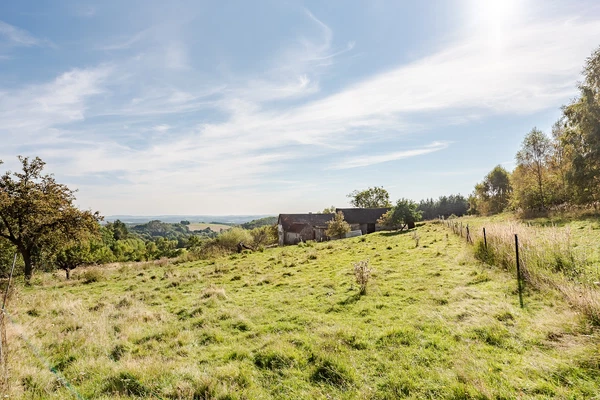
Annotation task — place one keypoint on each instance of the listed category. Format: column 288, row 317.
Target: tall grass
column 548, row 259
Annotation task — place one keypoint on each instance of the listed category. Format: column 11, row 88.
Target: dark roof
column 293, row 222
column 362, row 215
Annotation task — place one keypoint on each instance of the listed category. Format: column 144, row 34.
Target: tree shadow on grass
column 396, row 233
column 353, row 298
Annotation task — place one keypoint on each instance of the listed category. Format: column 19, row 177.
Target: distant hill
column 255, row 223
column 225, row 219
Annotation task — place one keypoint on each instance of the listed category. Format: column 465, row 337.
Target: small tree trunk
column 28, row 271
column 68, row 273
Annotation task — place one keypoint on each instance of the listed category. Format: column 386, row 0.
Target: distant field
column 198, row 226
column 289, row 323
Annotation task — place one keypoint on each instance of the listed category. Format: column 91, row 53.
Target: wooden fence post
column 518, row 271
column 484, row 239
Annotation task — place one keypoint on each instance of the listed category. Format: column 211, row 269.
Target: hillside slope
column 289, row 323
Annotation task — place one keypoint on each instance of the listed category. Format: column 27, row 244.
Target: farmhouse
column 295, row 228
column 363, row 219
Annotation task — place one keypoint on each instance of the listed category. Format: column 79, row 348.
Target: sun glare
column 494, row 18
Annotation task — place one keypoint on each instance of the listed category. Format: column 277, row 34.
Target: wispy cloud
column 147, row 124
column 19, row 37
column 125, row 43
column 363, row 161
column 34, row 108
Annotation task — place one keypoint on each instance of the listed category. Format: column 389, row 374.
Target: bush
column 264, row 236
column 337, row 227
column 91, row 276
column 362, row 272
column 229, row 239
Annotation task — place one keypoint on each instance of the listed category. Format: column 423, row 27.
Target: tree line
column 555, row 170
column 40, row 222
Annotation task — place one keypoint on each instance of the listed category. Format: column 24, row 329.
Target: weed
column 362, row 273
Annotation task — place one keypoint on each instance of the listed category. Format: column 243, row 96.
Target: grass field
column 198, row 226
column 289, row 323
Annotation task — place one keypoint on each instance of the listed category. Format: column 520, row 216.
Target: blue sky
column 237, row 107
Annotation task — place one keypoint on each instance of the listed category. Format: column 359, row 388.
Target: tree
column 337, row 227
column 493, row 194
column 73, row 256
column 374, row 197
column 404, row 213
column 533, row 157
column 37, row 213
column 328, row 210
column 581, row 135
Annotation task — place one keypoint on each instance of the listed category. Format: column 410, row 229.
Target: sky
column 279, row 106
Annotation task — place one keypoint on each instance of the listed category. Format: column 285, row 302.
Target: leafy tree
column 582, row 135
column 404, row 213
column 7, row 255
column 444, row 206
column 120, row 231
column 533, row 158
column 374, row 197
column 74, row 256
column 493, row 194
column 37, row 213
column 337, row 227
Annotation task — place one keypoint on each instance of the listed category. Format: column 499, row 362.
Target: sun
column 494, row 18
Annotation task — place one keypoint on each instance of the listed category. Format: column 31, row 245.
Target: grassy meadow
column 290, row 323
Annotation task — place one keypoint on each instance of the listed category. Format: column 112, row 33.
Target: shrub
column 264, row 236
column 91, row 276
column 337, row 227
column 362, row 272
column 229, row 239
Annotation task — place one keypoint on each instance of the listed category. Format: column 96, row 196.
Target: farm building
column 296, row 228
column 363, row 219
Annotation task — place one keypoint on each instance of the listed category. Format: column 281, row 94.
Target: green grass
column 290, row 323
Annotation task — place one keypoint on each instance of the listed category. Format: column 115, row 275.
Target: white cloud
column 266, row 122
column 17, row 36
column 363, row 161
column 161, row 128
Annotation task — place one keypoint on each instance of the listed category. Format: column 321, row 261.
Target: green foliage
column 405, row 212
column 337, row 227
column 532, row 160
column 374, row 197
column 582, row 135
column 38, row 215
column 444, row 206
column 328, row 210
column 73, row 256
column 493, row 194
column 264, row 236
column 229, row 239
column 256, row 223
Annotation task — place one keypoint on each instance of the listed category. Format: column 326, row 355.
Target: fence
column 544, row 258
